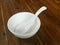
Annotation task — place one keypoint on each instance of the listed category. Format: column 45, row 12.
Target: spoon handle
column 40, row 10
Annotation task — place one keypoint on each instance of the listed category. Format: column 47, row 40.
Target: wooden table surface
column 48, row 34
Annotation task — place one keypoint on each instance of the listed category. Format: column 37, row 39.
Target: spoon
column 24, row 27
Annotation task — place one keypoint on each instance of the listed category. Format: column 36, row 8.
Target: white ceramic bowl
column 20, row 18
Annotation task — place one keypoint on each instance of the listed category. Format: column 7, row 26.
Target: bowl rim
column 24, row 33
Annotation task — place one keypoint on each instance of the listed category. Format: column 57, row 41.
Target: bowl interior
column 20, row 18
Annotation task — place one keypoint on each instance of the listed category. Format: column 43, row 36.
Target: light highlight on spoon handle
column 40, row 10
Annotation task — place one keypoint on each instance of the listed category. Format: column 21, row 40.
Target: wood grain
column 3, row 36
column 48, row 34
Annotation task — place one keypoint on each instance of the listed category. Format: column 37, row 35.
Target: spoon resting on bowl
column 25, row 26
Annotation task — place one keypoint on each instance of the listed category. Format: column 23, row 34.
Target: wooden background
column 48, row 34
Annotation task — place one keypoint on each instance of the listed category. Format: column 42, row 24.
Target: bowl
column 20, row 18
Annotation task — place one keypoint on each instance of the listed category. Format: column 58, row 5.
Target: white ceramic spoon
column 24, row 27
